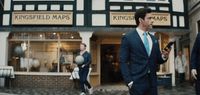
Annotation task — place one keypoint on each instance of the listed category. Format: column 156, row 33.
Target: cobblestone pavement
column 185, row 89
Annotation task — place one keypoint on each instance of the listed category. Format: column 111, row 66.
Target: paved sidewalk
column 185, row 89
column 7, row 94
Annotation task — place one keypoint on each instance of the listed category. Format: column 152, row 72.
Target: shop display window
column 43, row 52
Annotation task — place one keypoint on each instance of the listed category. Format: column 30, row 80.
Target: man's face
column 82, row 47
column 147, row 22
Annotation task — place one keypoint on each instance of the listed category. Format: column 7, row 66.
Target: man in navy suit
column 195, row 63
column 84, row 70
column 139, row 56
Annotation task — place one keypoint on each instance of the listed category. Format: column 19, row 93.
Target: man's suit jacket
column 87, row 60
column 195, row 56
column 135, row 63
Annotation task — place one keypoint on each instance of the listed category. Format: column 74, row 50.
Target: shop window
column 43, row 52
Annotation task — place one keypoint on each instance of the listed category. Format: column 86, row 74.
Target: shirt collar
column 140, row 32
column 82, row 52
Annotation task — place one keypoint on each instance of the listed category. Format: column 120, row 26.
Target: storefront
column 40, row 38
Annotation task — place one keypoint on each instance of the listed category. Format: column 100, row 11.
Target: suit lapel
column 140, row 42
column 154, row 41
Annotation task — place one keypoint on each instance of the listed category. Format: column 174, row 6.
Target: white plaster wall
column 164, row 8
column 171, row 62
column 4, row 52
column 42, row 7
column 128, row 7
column 115, row 7
column 86, row 35
column 80, row 4
column 181, row 21
column 30, row 7
column 55, row 7
column 178, row 5
column 174, row 21
column 80, row 19
column 6, row 19
column 7, row 5
column 98, row 4
column 98, row 19
column 68, row 7
column 18, row 7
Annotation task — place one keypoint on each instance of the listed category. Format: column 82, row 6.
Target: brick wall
column 41, row 81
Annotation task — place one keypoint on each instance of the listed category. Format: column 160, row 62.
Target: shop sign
column 42, row 18
column 127, row 18
column 150, row 1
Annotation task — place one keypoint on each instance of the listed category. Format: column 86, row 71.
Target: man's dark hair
column 141, row 13
column 84, row 44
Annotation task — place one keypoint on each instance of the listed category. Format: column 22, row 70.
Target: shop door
column 110, row 70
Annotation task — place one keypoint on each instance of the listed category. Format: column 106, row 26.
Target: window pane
column 68, row 52
column 44, row 56
column 43, row 52
column 16, row 52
